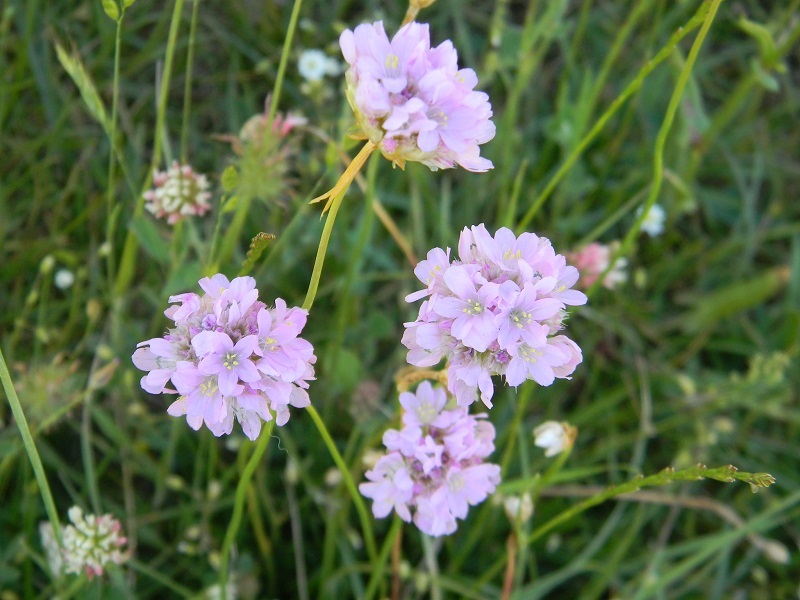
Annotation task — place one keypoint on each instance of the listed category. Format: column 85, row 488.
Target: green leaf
column 150, row 240
column 765, row 79
column 735, row 298
column 230, row 204
column 230, row 179
column 763, row 37
column 111, row 8
column 74, row 67
column 128, row 3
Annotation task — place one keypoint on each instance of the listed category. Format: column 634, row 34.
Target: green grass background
column 693, row 360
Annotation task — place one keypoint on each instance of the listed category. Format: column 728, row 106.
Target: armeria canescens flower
column 178, row 192
column 228, row 356
column 413, row 101
column 434, row 465
column 554, row 437
column 593, row 259
column 88, row 544
column 497, row 311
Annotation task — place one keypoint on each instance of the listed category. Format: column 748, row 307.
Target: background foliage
column 690, row 361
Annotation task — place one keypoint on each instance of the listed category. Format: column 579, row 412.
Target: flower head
column 178, row 192
column 496, row 311
column 87, row 545
column 229, row 356
column 554, row 437
column 413, row 101
column 593, row 259
column 434, row 465
column 314, row 65
column 653, row 223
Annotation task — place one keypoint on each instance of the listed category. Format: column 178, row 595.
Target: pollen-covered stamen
column 473, row 307
column 391, row 64
column 231, row 360
column 511, row 254
column 269, row 344
column 209, row 387
column 521, row 318
column 426, row 412
column 531, row 355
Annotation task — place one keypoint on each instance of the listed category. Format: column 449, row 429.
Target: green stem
column 239, row 500
column 128, row 260
column 333, row 201
column 112, row 219
column 669, row 475
column 629, row 90
column 378, row 566
column 287, row 45
column 363, row 515
column 30, row 447
column 661, row 140
column 316, row 273
column 187, row 90
column 433, row 566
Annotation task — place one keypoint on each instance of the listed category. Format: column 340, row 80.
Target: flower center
column 530, row 355
column 473, row 307
column 231, row 360
column 521, row 318
column 392, row 62
column 208, row 387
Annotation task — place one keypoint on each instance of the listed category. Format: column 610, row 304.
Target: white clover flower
column 518, row 508
column 64, row 278
column 554, row 437
column 653, row 223
column 314, row 65
column 178, row 192
column 87, row 545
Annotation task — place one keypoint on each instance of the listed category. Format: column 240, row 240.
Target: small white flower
column 315, row 64
column 518, row 508
column 64, row 279
column 554, row 437
column 653, row 223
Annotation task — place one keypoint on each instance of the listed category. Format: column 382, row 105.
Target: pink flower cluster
column 593, row 259
column 413, row 101
column 178, row 192
column 497, row 311
column 434, row 464
column 229, row 355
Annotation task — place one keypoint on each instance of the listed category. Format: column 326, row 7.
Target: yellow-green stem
column 629, row 90
column 30, row 447
column 361, row 509
column 661, row 140
column 287, row 45
column 238, row 504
